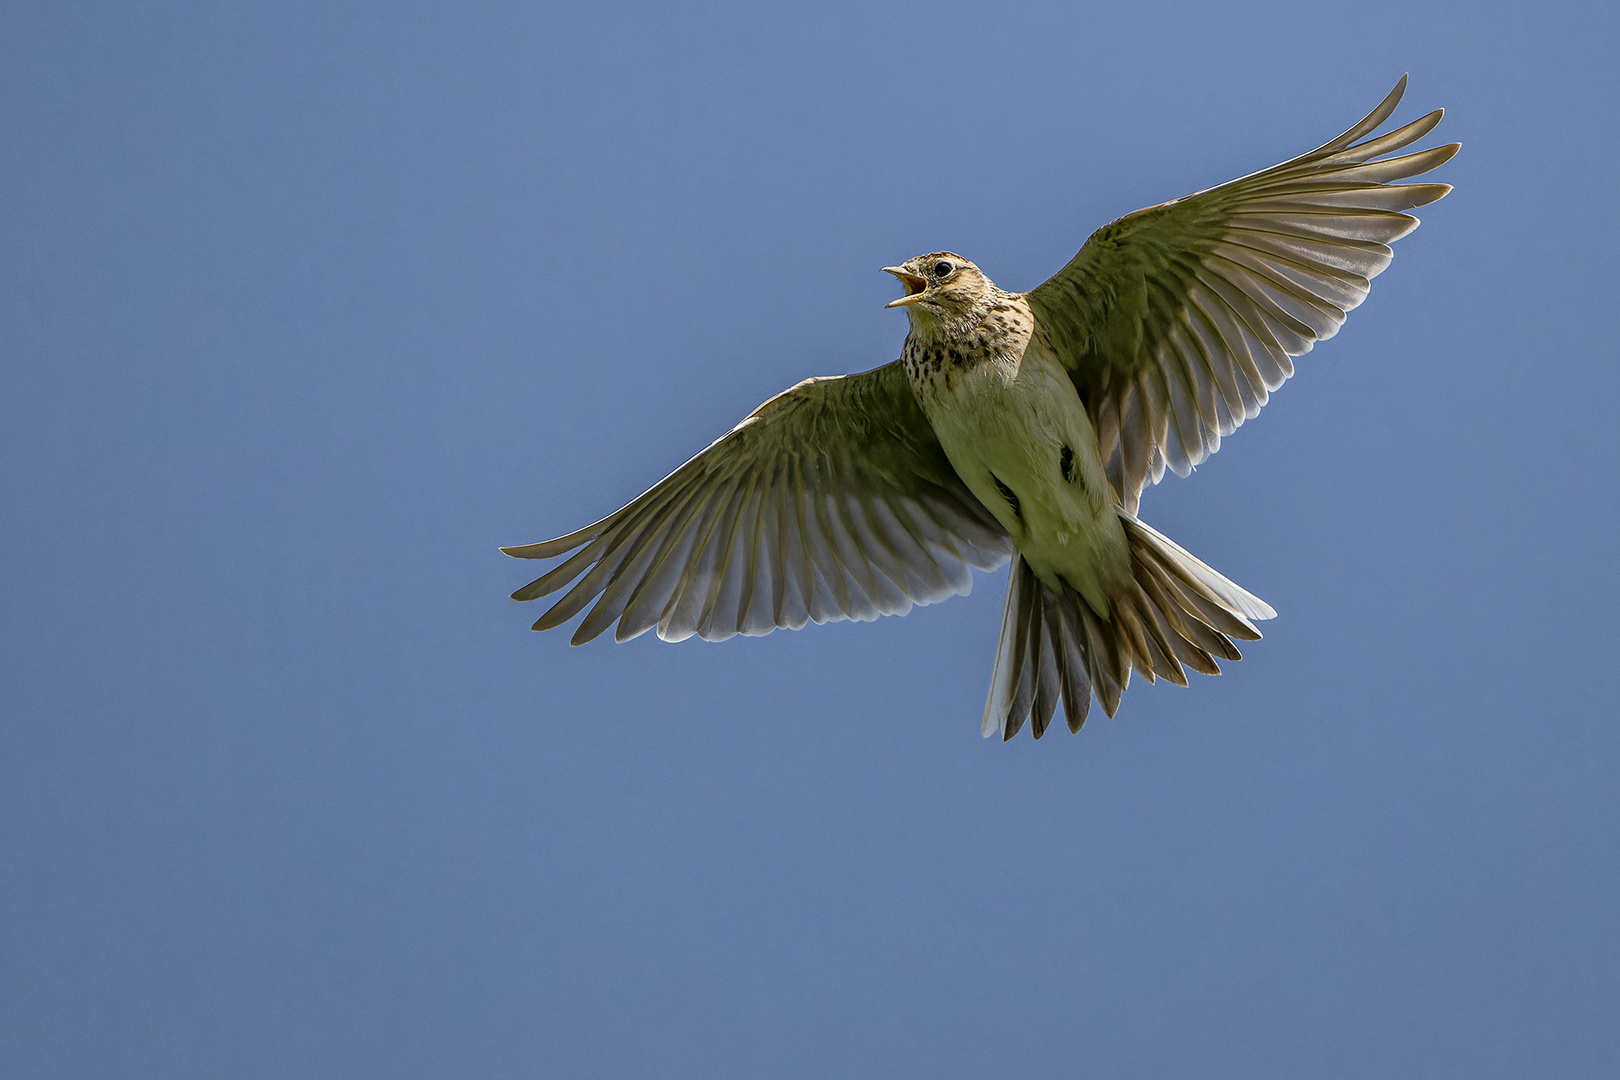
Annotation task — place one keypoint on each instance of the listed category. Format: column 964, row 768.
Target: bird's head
column 940, row 287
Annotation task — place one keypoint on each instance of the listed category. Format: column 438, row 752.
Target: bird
column 1020, row 427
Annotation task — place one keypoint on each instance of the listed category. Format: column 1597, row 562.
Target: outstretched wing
column 1176, row 321
column 831, row 501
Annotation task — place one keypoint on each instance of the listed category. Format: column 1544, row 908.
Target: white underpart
column 1009, row 420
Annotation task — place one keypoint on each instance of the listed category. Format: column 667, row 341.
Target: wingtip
column 525, row 551
column 550, row 549
column 1262, row 610
column 532, row 591
column 544, row 622
column 1393, row 98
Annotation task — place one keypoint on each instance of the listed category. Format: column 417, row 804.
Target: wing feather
column 831, row 501
column 1177, row 321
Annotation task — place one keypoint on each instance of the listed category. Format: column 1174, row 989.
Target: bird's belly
column 1020, row 439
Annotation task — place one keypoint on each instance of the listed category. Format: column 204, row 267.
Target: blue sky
column 305, row 308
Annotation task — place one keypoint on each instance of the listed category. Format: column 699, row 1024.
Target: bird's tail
column 1053, row 646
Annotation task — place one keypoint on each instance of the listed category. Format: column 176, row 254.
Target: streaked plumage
column 1023, row 426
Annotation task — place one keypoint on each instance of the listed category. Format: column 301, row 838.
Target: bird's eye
column 942, row 268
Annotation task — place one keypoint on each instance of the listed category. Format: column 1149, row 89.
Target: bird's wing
column 831, row 501
column 1176, row 321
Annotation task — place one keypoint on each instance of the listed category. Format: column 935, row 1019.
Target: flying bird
column 1021, row 426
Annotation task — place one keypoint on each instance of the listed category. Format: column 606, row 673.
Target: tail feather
column 1041, row 658
column 1182, row 562
column 1106, row 659
column 1063, row 623
column 1177, row 614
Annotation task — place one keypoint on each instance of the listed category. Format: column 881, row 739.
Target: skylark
column 1023, row 426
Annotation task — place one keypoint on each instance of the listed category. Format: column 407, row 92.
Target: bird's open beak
column 914, row 286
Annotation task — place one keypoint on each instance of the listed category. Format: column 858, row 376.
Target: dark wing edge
column 1177, row 321
column 831, row 501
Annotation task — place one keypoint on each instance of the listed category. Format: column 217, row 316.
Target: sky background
column 307, row 307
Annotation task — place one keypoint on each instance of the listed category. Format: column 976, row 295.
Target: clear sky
column 307, row 307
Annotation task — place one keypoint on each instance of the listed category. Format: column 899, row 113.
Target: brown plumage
column 1021, row 425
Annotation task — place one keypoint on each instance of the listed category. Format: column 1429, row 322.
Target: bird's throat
column 942, row 348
